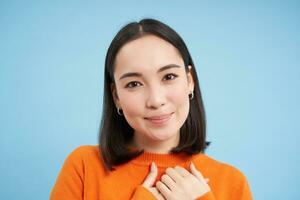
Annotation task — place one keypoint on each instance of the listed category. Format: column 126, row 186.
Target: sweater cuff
column 207, row 196
column 142, row 193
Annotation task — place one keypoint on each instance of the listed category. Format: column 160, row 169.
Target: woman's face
column 152, row 88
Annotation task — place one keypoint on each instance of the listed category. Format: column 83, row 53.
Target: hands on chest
column 177, row 183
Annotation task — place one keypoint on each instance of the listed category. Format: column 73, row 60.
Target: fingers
column 169, row 182
column 150, row 179
column 163, row 189
column 197, row 173
column 183, row 172
column 173, row 174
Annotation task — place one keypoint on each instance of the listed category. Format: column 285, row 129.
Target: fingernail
column 152, row 166
column 192, row 164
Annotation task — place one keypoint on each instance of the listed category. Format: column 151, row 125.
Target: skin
column 177, row 183
column 158, row 90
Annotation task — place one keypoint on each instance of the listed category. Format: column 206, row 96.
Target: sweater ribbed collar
column 164, row 160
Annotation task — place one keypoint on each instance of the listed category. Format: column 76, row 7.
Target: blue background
column 51, row 78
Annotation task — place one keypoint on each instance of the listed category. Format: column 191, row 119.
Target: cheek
column 181, row 103
column 131, row 104
column 132, row 107
column 179, row 96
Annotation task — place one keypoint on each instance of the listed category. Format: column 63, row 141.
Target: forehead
column 147, row 53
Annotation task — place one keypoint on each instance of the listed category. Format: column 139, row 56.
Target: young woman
column 153, row 129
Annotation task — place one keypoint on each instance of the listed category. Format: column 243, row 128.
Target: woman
column 153, row 130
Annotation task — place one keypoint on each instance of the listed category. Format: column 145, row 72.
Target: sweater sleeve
column 141, row 193
column 242, row 193
column 207, row 196
column 245, row 191
column 69, row 183
column 241, row 188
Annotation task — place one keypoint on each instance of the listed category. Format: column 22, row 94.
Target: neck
column 155, row 146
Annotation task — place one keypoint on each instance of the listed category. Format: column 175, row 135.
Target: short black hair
column 115, row 133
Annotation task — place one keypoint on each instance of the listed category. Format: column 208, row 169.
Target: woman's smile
column 160, row 119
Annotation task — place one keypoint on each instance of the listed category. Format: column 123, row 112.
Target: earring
column 191, row 95
column 118, row 111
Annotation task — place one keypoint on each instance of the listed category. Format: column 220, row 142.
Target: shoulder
column 84, row 152
column 224, row 178
column 219, row 168
column 83, row 160
column 86, row 149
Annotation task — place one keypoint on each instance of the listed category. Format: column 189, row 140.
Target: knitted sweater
column 83, row 176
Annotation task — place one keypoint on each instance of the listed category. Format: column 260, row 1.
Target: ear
column 115, row 95
column 190, row 79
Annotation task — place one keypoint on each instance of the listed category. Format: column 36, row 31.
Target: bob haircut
column 115, row 133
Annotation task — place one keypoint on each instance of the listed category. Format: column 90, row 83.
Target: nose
column 156, row 98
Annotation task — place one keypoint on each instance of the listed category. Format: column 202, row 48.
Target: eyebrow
column 133, row 74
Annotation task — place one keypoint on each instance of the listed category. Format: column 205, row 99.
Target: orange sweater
column 83, row 177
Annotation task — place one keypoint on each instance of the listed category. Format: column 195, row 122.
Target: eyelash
column 174, row 75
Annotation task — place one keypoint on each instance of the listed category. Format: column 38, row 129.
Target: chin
column 162, row 136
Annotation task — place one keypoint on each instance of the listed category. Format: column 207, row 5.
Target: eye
column 170, row 76
column 132, row 84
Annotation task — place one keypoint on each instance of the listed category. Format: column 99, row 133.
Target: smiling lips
column 159, row 119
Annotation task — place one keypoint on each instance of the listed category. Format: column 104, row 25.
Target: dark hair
column 115, row 133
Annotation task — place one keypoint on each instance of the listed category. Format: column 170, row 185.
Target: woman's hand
column 150, row 180
column 178, row 183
